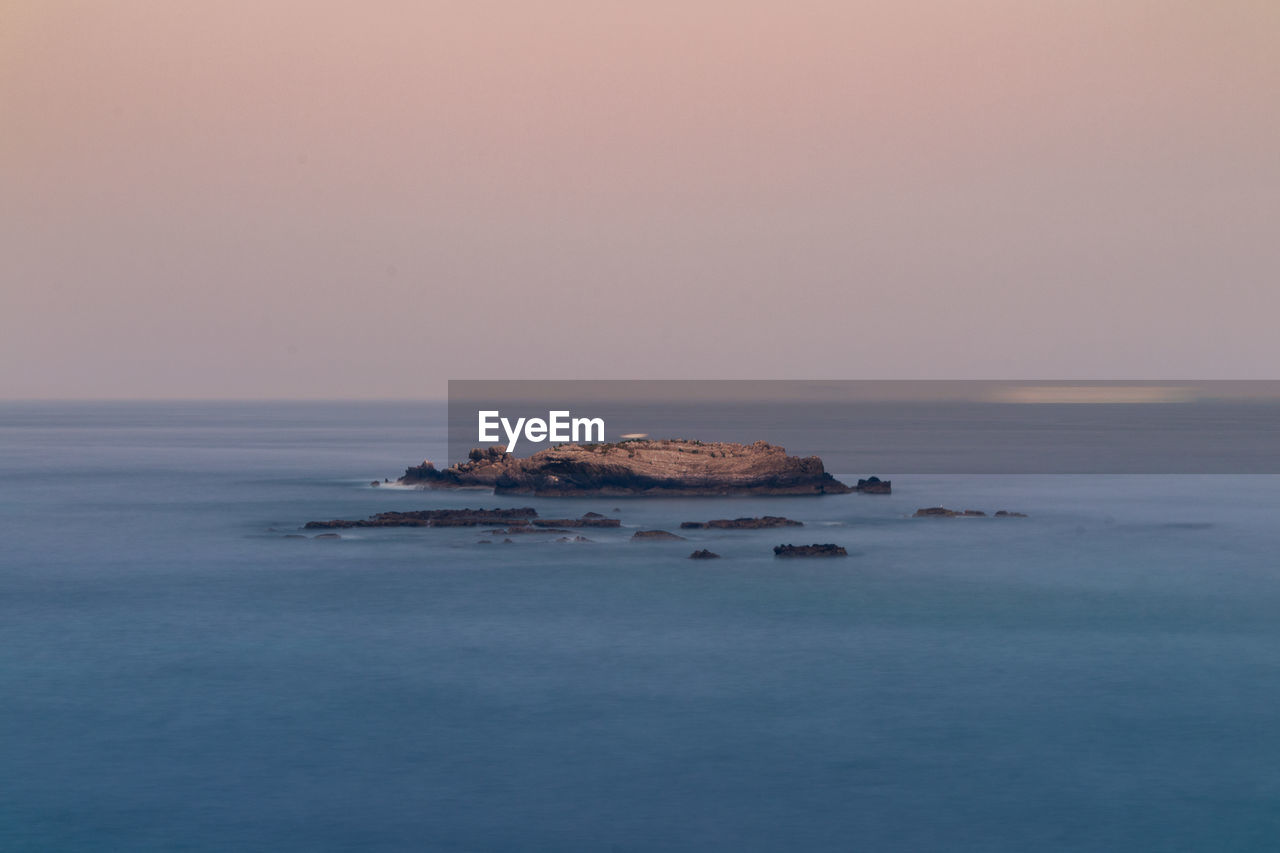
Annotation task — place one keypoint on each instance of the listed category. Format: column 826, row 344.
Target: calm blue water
column 177, row 675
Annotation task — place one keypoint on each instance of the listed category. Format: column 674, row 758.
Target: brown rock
column 667, row 467
column 874, row 486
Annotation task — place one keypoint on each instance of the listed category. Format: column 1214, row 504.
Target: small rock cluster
column 943, row 512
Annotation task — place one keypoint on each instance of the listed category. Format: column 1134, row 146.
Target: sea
column 179, row 671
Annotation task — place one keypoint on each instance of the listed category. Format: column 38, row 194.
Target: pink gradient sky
column 292, row 199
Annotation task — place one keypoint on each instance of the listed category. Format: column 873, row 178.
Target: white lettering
column 512, row 433
column 486, row 426
column 588, row 424
column 559, row 422
column 560, row 427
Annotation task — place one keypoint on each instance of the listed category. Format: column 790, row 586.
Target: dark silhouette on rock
column 827, row 550
column 667, row 467
column 744, row 523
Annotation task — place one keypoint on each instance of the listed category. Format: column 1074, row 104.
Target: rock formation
column 874, row 486
column 664, row 468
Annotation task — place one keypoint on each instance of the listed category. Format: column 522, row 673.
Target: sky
column 276, row 199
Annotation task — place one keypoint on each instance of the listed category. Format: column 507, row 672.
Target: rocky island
column 874, row 486
column 636, row 467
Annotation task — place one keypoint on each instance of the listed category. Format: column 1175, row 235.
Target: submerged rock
column 668, row 467
column 511, row 531
column 327, row 536
column 827, row 550
column 655, row 536
column 594, row 521
column 435, row 518
column 744, row 523
column 943, row 512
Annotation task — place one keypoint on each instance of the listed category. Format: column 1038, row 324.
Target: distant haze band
column 899, row 427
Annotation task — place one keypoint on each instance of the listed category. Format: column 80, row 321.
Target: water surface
column 176, row 674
